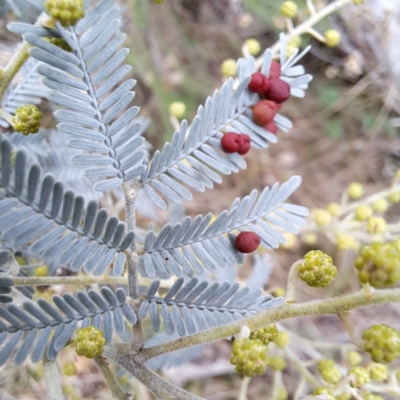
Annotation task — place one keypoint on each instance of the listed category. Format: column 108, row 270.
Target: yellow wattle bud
column 228, row 68
column 332, row 38
column 380, row 205
column 253, row 45
column 355, row 190
column 289, row 9
column 334, row 209
column 177, row 109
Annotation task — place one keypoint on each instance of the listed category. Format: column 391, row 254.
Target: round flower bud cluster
column 379, row 264
column 277, row 363
column 322, row 217
column 324, row 390
column 380, row 205
column 253, row 45
column 329, row 371
column 343, row 396
column 59, row 42
column 346, row 242
column 376, row 225
column 332, row 38
column 177, row 109
column 378, row 372
column 382, row 342
column 394, row 197
column 334, row 209
column 67, row 12
column 372, row 396
column 250, row 356
column 228, row 68
column 89, row 342
column 355, row 190
column 353, row 358
column 359, row 377
column 317, row 269
column 289, row 9
column 43, row 270
column 27, row 119
column 69, row 369
column 282, row 339
column 266, row 334
column 282, row 394
column 363, row 212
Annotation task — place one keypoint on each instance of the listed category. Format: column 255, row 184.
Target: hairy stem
column 243, row 388
column 160, row 388
column 68, row 280
column 350, row 326
column 6, row 115
column 299, row 365
column 327, row 306
column 52, row 381
column 130, row 218
column 13, row 66
column 133, row 260
column 109, row 377
column 291, row 283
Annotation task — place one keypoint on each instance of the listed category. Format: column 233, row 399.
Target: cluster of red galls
column 274, row 92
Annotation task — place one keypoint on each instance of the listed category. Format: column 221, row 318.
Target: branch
column 299, row 365
column 306, row 25
column 13, row 67
column 291, row 283
column 68, row 280
column 286, row 311
column 243, row 388
column 160, row 388
column 350, row 326
column 52, row 381
column 109, row 377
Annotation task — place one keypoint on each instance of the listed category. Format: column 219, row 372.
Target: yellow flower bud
column 282, row 339
column 353, row 358
column 177, row 109
column 253, row 45
column 363, row 212
column 310, row 238
column 228, row 67
column 397, row 174
column 358, row 2
column 289, row 9
column 322, row 217
column 334, row 209
column 279, row 291
column 355, row 190
column 380, row 205
column 159, row 1
column 376, row 225
column 346, row 242
column 41, row 271
column 394, row 197
column 291, row 241
column 290, row 50
column 295, row 42
column 332, row 38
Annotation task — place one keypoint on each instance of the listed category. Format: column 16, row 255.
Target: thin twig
column 243, row 388
column 52, row 381
column 109, row 376
column 299, row 365
column 349, row 326
column 286, row 311
column 309, row 23
column 291, row 283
